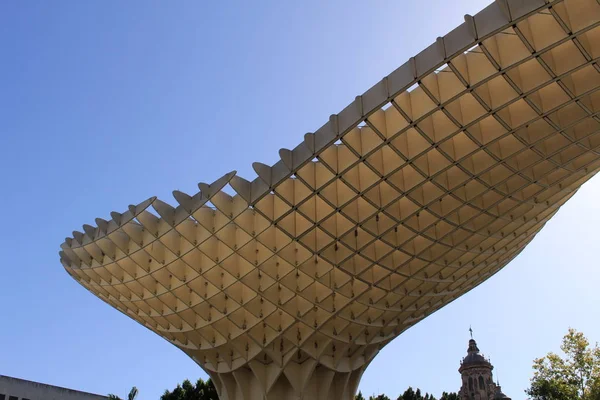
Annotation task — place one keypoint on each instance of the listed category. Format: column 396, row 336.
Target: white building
column 21, row 389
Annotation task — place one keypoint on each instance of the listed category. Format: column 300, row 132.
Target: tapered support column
column 306, row 381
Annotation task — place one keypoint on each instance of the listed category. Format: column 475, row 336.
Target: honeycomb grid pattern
column 421, row 189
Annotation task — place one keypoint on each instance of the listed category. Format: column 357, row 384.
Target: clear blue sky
column 106, row 103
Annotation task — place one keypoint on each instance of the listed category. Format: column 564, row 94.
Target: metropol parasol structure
column 422, row 188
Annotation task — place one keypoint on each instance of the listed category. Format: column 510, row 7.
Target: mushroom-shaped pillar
column 422, row 188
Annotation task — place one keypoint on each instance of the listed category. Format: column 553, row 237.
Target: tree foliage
column 574, row 375
column 410, row 394
column 379, row 397
column 449, row 396
column 131, row 396
column 203, row 390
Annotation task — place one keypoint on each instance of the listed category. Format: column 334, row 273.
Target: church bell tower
column 477, row 379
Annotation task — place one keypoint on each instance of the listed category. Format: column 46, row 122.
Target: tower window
column 481, row 383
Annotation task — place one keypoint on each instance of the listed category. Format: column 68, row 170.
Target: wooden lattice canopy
column 418, row 191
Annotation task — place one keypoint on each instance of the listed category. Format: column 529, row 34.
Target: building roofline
column 49, row 385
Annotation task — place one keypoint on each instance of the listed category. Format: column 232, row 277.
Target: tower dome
column 474, row 358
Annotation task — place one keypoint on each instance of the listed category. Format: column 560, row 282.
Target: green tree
column 574, row 375
column 379, row 397
column 409, row 394
column 131, row 396
column 203, row 390
column 449, row 396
